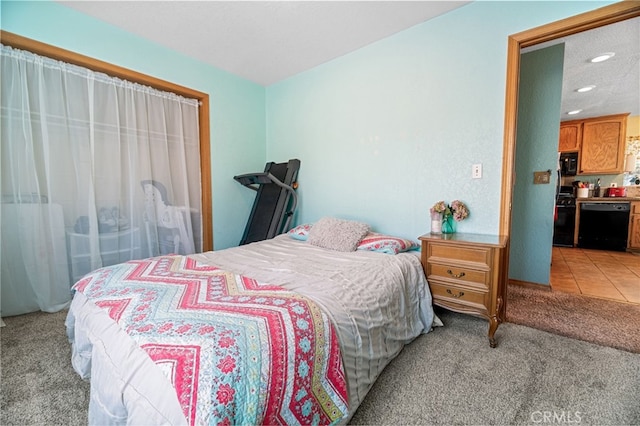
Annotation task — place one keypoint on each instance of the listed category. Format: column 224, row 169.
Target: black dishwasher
column 604, row 226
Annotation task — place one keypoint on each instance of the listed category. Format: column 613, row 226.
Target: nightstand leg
column 495, row 320
column 493, row 326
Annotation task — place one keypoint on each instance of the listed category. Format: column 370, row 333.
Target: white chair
column 166, row 225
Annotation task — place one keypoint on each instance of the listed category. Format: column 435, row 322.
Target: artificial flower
column 457, row 209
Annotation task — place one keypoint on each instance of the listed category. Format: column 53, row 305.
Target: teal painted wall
column 382, row 133
column 536, row 150
column 386, row 131
column 237, row 106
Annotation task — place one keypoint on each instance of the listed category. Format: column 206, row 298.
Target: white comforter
column 377, row 302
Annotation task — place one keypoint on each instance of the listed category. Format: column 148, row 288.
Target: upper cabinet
column 600, row 141
column 603, row 145
column 570, row 136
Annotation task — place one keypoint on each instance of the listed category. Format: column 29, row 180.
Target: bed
column 272, row 332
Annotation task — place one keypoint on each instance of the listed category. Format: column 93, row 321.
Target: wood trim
column 614, row 117
column 57, row 53
column 527, row 284
column 509, row 143
column 205, row 176
column 586, row 21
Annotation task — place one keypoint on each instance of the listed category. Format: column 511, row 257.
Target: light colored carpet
column 39, row 386
column 450, row 376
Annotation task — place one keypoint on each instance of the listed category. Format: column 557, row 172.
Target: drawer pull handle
column 460, row 293
column 460, row 275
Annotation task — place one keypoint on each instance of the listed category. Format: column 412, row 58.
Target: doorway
column 583, row 22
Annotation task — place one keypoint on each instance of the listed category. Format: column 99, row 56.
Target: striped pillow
column 386, row 244
column 371, row 242
column 300, row 232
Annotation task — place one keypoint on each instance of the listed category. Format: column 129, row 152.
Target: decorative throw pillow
column 300, row 232
column 337, row 234
column 386, row 244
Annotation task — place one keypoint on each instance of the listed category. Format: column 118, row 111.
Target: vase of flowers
column 437, row 212
column 449, row 214
column 448, row 224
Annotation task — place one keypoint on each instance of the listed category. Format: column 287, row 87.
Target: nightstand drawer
column 467, row 273
column 462, row 275
column 479, row 255
column 460, row 295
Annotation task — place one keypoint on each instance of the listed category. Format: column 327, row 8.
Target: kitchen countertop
column 607, row 199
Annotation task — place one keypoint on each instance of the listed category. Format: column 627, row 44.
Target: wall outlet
column 476, row 171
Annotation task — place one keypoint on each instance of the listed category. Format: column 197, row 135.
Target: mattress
column 376, row 302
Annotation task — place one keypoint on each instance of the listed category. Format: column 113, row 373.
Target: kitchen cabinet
column 600, row 142
column 603, row 145
column 570, row 136
column 634, row 226
column 467, row 273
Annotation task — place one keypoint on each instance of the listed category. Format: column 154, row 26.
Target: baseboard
column 535, row 286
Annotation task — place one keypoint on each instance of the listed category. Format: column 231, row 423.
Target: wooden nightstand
column 467, row 273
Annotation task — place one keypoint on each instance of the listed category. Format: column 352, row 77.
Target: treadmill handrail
column 274, row 206
column 250, row 179
column 271, row 178
column 294, row 195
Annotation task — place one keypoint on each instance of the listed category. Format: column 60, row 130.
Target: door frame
column 583, row 22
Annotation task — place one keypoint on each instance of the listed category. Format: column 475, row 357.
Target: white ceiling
column 617, row 80
column 264, row 41
column 268, row 41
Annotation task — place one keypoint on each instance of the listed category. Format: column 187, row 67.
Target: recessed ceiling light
column 586, row 89
column 603, row 57
column 574, row 112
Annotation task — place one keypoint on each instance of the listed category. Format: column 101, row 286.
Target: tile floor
column 597, row 273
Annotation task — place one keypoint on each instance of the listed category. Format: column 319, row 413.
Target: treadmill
column 275, row 202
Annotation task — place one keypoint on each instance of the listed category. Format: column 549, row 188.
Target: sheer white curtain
column 94, row 171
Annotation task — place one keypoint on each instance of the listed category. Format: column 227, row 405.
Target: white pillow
column 337, row 234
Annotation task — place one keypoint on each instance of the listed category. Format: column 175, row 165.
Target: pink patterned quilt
column 237, row 351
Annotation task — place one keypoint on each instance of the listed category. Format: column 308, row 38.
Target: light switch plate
column 541, row 177
column 476, row 171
